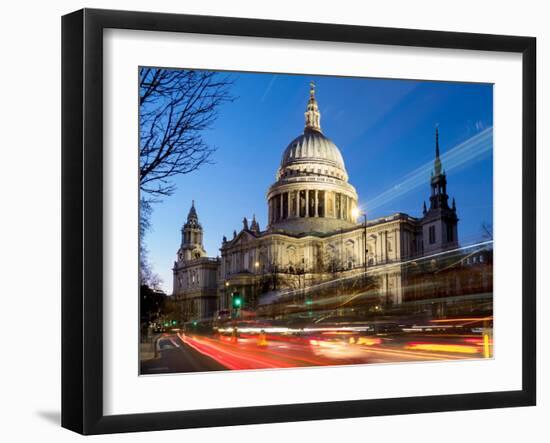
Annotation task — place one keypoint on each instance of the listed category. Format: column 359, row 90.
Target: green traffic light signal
column 237, row 301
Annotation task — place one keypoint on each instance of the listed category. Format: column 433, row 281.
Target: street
column 180, row 352
column 175, row 356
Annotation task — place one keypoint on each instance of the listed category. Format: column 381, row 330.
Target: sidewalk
column 147, row 350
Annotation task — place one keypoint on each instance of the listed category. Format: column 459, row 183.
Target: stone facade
column 195, row 274
column 314, row 232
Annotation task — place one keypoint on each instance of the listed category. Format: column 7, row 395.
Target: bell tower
column 439, row 222
column 191, row 237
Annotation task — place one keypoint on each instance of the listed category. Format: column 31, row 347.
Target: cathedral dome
column 312, row 152
column 311, row 192
column 312, row 147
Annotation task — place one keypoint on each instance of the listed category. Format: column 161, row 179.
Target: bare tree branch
column 176, row 107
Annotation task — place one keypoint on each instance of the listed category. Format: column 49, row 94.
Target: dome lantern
column 312, row 114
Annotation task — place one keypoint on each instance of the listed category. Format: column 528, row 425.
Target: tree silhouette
column 176, row 107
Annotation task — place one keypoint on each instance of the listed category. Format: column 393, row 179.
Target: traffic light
column 237, row 300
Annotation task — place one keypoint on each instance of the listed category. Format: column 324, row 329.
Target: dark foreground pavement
column 176, row 356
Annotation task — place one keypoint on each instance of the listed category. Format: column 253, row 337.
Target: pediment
column 243, row 237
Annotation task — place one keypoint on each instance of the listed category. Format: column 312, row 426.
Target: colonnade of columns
column 310, row 203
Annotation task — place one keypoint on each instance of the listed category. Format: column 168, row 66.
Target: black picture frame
column 82, row 219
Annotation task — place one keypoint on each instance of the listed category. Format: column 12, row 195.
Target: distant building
column 314, row 232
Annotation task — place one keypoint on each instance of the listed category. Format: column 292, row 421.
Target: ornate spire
column 192, row 234
column 313, row 116
column 245, row 224
column 424, row 209
column 192, row 212
column 437, row 162
column 192, row 218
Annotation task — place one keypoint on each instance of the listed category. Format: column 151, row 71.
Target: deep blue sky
column 384, row 129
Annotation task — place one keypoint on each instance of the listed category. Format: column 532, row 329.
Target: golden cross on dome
column 312, row 87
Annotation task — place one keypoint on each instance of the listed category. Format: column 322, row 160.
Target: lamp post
column 365, row 243
column 356, row 213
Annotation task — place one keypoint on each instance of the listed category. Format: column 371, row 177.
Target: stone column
column 281, row 206
column 385, row 246
column 288, row 204
column 398, row 239
column 307, row 202
column 316, row 203
column 398, row 292
column 381, row 249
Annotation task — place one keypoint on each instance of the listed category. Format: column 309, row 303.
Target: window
column 350, row 256
column 450, row 233
column 291, row 254
column 431, row 234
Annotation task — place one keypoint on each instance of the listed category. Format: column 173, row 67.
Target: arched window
column 291, row 255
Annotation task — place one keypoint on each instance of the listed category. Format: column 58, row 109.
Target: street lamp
column 355, row 212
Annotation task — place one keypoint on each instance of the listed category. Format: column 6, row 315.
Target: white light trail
column 471, row 149
column 378, row 268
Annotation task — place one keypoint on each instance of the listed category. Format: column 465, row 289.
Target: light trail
column 473, row 148
column 378, row 268
column 461, row 349
column 468, row 319
column 410, row 354
column 236, row 357
column 248, row 354
column 229, row 359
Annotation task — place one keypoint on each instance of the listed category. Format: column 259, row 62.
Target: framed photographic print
column 269, row 221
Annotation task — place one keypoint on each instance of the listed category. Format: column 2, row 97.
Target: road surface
column 196, row 353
